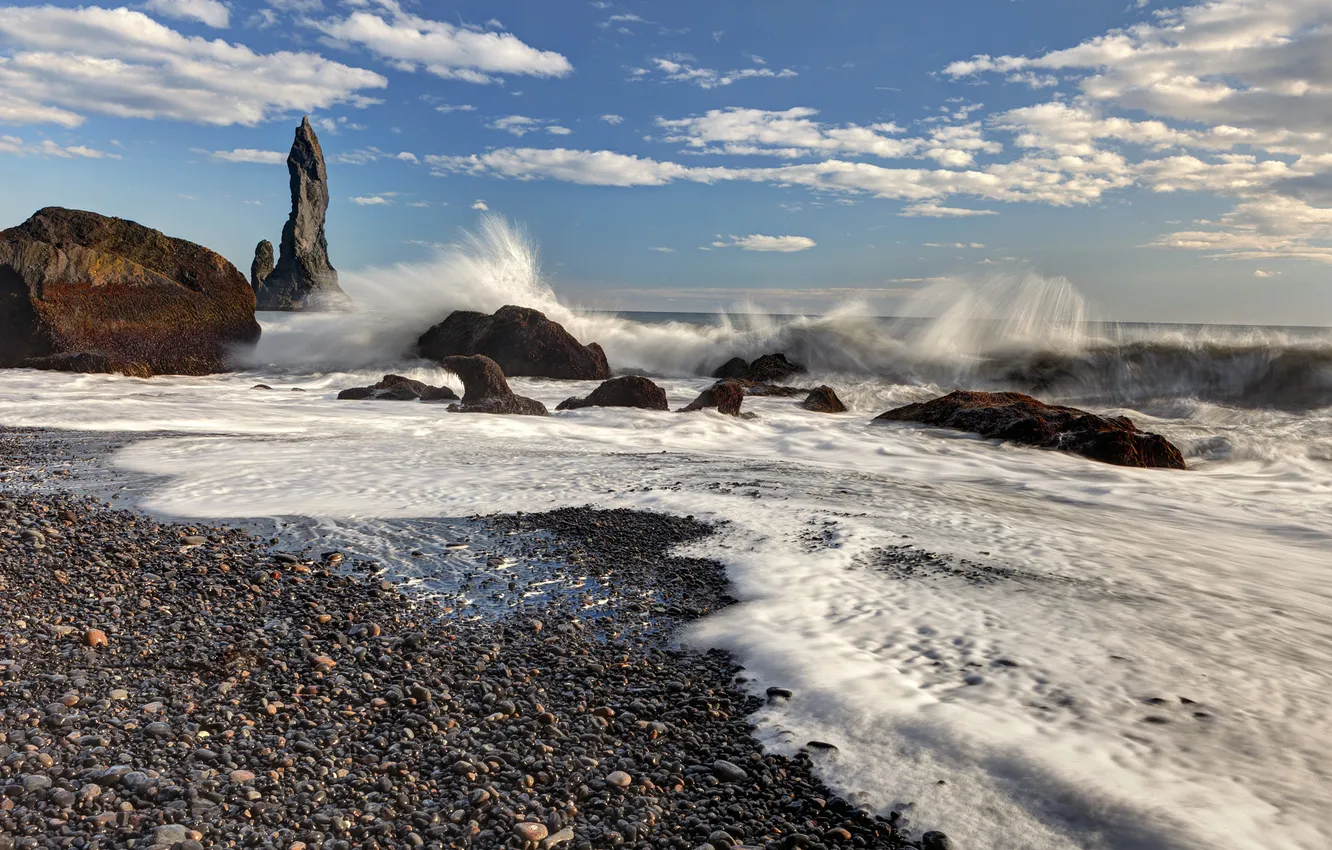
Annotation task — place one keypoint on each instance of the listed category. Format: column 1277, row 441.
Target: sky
column 1172, row 161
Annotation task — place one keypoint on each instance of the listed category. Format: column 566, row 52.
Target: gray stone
column 303, row 278
column 262, row 266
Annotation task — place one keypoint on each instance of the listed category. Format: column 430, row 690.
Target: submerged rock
column 823, row 400
column 626, row 391
column 262, row 264
column 303, row 278
column 81, row 291
column 1022, row 419
column 485, row 390
column 399, row 388
column 726, row 396
column 521, row 340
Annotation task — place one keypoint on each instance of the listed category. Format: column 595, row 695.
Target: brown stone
column 823, row 400
column 522, row 341
column 94, row 638
column 486, row 391
column 1022, row 419
column 726, row 396
column 627, row 391
column 86, row 292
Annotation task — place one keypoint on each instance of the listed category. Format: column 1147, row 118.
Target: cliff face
column 303, row 278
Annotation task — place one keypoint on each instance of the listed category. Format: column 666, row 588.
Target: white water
column 1106, row 587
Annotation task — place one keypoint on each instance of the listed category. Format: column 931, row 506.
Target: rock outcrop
column 399, row 388
column 771, row 369
column 262, row 264
column 303, row 278
column 823, row 400
column 521, row 340
column 86, row 292
column 736, row 367
column 1022, row 419
column 485, row 390
column 726, row 396
column 626, row 391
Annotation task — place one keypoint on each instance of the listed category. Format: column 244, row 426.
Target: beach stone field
column 182, row 686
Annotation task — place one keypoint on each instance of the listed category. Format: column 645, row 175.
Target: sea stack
column 262, row 265
column 304, row 279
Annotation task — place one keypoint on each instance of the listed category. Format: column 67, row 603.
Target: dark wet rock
column 736, row 367
column 626, row 391
column 728, row 772
column 773, row 390
column 399, row 388
column 303, row 278
column 772, row 368
column 88, row 292
column 934, row 840
column 521, row 340
column 1022, row 419
column 91, row 363
column 262, row 264
column 485, row 389
column 726, row 396
column 823, row 400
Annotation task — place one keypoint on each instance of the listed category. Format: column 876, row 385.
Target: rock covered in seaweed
column 1022, row 419
column 521, row 340
column 625, row 391
column 303, row 278
column 81, row 291
column 485, row 389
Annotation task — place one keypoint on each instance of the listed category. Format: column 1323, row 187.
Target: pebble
column 323, row 709
column 530, row 832
column 94, row 638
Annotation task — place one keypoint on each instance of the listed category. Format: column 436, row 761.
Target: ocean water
column 1021, row 648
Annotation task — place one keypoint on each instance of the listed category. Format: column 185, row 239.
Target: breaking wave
column 1024, row 332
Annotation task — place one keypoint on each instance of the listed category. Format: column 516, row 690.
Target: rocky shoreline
column 169, row 685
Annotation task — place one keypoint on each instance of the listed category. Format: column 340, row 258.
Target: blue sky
column 1172, row 161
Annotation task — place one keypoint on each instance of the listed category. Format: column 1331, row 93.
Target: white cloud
column 448, row 107
column 15, row 146
column 790, row 133
column 373, row 200
column 62, row 63
column 360, row 156
column 479, row 204
column 933, row 210
column 1264, row 273
column 247, row 155
column 952, row 245
column 210, row 12
column 676, row 70
column 758, row 242
column 407, row 156
column 521, row 125
column 253, row 203
column 612, row 119
column 661, row 250
column 410, row 42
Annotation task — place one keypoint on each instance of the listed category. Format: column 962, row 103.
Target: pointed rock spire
column 304, row 279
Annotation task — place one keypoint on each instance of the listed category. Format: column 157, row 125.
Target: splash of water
column 1023, row 332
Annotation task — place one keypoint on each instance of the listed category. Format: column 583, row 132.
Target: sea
column 1021, row 648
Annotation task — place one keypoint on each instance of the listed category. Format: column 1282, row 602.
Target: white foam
column 1112, row 585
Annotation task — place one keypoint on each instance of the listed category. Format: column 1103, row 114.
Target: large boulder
column 771, row 369
column 303, row 278
column 399, row 388
column 1022, row 419
column 485, row 390
column 521, row 340
column 726, row 396
column 81, row 291
column 823, row 400
column 626, row 391
column 736, row 367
